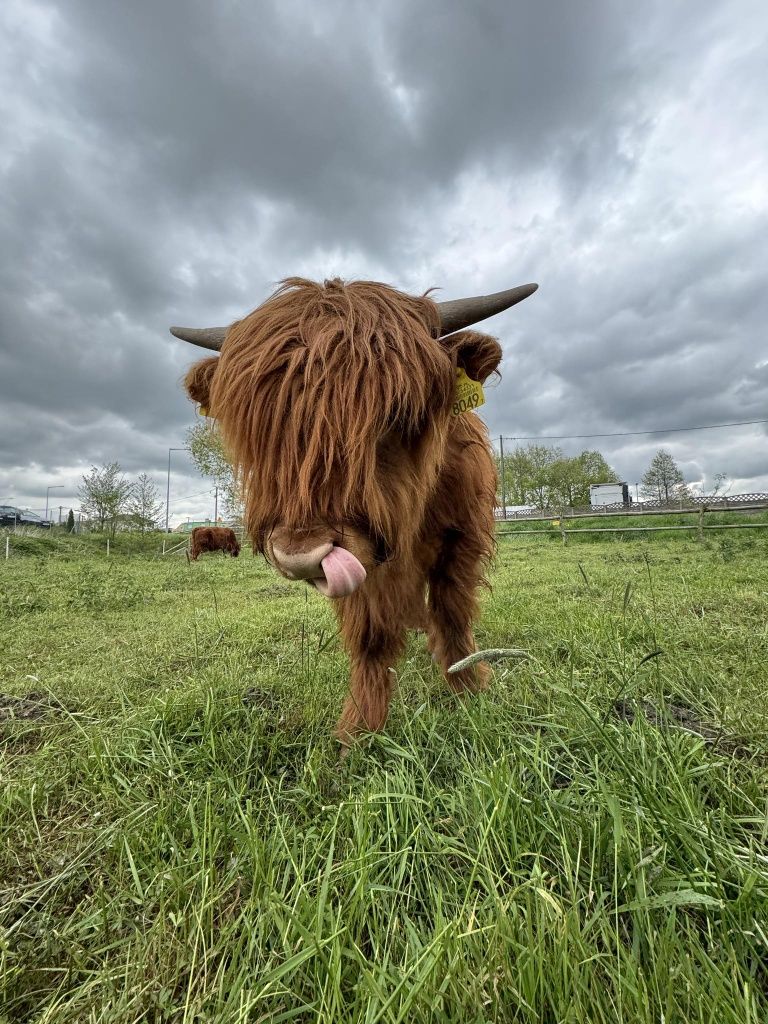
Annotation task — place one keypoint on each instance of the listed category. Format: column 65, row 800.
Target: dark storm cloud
column 326, row 109
column 169, row 162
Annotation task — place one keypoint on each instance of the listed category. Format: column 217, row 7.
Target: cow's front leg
column 374, row 638
column 453, row 607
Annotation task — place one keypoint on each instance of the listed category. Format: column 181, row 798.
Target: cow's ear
column 478, row 354
column 198, row 380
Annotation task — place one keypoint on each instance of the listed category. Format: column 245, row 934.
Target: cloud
column 170, row 163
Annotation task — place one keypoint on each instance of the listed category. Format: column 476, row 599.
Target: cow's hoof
column 344, row 750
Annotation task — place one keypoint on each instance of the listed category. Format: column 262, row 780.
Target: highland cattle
column 348, row 410
column 212, row 538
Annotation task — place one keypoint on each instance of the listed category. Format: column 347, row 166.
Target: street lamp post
column 168, row 485
column 47, row 492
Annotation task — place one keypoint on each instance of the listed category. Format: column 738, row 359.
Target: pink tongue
column 343, row 574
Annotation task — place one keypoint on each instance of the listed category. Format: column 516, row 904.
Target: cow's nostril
column 302, row 565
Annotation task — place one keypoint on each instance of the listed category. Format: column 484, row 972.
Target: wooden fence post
column 107, row 547
column 702, row 510
column 7, row 547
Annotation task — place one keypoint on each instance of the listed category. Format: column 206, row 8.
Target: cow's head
column 334, row 401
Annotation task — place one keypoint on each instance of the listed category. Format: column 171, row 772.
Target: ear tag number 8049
column 468, row 393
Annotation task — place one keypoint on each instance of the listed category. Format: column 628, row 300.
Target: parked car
column 10, row 516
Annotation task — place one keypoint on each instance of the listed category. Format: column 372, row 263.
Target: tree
column 597, row 470
column 566, row 482
column 663, row 479
column 209, row 455
column 70, row 521
column 542, row 476
column 515, row 470
column 719, row 482
column 145, row 506
column 571, row 478
column 105, row 494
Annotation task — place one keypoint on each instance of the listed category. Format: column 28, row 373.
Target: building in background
column 190, row 524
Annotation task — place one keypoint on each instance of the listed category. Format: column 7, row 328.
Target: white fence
column 734, row 503
column 558, row 520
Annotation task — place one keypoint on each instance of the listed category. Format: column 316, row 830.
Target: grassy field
column 588, row 841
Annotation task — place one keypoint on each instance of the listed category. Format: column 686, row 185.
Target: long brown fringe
column 317, row 390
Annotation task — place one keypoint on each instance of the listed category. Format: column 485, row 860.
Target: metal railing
column 558, row 522
column 731, row 503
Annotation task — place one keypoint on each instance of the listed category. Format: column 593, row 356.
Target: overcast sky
column 166, row 163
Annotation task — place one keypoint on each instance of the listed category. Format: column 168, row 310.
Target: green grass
column 179, row 842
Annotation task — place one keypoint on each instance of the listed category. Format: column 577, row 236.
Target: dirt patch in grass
column 27, row 722
column 29, row 708
column 265, row 700
column 676, row 716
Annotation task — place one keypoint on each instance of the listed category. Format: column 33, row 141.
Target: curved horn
column 205, row 337
column 462, row 312
column 454, row 315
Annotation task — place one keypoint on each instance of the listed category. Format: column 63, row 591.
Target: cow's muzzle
column 332, row 569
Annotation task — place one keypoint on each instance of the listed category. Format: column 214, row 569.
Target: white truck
column 609, row 494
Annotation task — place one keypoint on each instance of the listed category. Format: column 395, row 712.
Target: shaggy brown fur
column 212, row 538
column 198, row 380
column 334, row 402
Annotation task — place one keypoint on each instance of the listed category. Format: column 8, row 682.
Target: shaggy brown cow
column 212, row 538
column 362, row 472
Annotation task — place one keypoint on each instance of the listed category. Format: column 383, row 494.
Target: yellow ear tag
column 203, row 410
column 468, row 394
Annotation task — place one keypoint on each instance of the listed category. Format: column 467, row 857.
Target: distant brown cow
column 212, row 538
column 348, row 412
